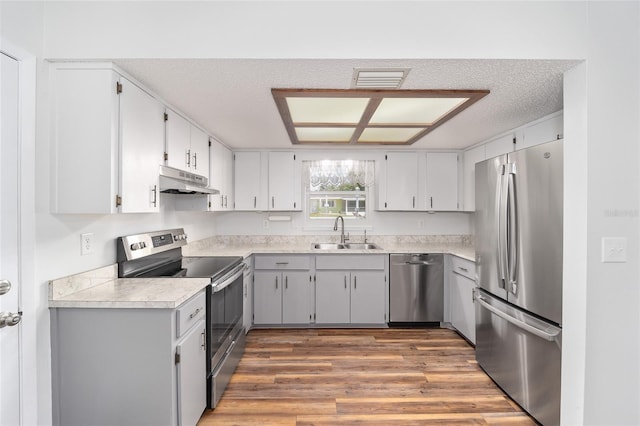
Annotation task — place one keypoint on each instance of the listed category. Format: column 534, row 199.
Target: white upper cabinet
column 284, row 182
column 249, row 183
column 471, row 157
column 499, row 146
column 221, row 172
column 267, row 181
column 398, row 185
column 546, row 130
column 187, row 146
column 442, row 181
column 107, row 142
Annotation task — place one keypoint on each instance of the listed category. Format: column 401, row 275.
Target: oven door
column 224, row 314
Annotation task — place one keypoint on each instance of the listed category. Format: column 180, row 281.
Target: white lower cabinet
column 461, row 287
column 282, row 290
column 351, row 289
column 129, row 366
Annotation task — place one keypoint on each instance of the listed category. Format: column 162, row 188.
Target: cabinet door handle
column 154, row 190
column 195, row 160
column 273, row 202
column 414, row 201
column 221, row 201
column 188, row 156
column 276, row 282
column 255, row 202
column 345, row 281
column 286, row 282
column 203, row 340
column 225, row 201
column 431, row 198
column 355, row 281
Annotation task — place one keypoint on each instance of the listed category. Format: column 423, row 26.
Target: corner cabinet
column 141, row 366
column 107, row 142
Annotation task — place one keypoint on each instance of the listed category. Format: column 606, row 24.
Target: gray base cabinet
column 129, row 366
column 352, row 289
column 461, row 287
column 282, row 290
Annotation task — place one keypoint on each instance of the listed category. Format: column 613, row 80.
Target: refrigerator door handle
column 520, row 324
column 512, row 231
column 502, row 228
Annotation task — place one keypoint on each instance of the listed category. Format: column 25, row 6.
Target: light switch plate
column 614, row 250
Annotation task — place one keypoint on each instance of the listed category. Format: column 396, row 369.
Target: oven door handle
column 233, row 275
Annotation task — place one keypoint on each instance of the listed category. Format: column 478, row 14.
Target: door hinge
column 166, row 156
column 514, row 140
column 166, row 117
column 118, row 87
column 177, row 358
column 118, row 200
column 385, row 156
column 385, row 205
column 209, row 204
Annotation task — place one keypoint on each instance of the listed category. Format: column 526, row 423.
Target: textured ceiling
column 231, row 98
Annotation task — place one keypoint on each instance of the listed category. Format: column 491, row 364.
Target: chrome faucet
column 335, row 228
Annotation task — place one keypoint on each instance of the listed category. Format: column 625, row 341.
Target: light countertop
column 101, row 288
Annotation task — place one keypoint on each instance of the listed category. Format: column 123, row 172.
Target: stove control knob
column 138, row 246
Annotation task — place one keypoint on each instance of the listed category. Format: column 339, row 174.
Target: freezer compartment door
column 522, row 354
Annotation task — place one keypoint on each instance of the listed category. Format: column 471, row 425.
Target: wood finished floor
column 361, row 376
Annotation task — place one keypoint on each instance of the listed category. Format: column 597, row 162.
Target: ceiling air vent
column 378, row 78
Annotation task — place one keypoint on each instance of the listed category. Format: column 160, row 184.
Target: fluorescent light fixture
column 355, row 116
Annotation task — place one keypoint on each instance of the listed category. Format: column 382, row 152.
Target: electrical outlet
column 86, row 243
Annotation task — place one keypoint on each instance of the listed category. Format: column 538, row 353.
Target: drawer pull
column 194, row 313
column 282, row 263
column 463, row 269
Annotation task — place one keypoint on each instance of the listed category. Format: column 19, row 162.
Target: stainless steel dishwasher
column 416, row 292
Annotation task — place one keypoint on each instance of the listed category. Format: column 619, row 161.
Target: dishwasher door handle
column 423, row 262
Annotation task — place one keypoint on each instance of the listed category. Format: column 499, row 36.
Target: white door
column 10, row 335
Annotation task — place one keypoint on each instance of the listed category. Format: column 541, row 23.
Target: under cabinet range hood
column 175, row 181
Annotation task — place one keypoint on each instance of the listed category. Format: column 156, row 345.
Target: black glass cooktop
column 196, row 267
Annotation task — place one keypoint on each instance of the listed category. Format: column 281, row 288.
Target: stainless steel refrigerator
column 518, row 302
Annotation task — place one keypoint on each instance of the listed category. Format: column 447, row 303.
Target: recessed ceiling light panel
column 357, row 116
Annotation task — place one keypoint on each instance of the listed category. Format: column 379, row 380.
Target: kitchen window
column 337, row 188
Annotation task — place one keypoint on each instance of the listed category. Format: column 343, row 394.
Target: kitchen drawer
column 350, row 261
column 282, row 262
column 463, row 267
column 189, row 313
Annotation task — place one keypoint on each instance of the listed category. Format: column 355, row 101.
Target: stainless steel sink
column 361, row 246
column 346, row 246
column 327, row 246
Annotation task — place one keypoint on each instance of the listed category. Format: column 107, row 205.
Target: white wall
column 605, row 34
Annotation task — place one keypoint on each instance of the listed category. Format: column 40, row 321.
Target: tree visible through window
column 337, row 188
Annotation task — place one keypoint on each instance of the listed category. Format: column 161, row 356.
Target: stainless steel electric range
column 159, row 254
